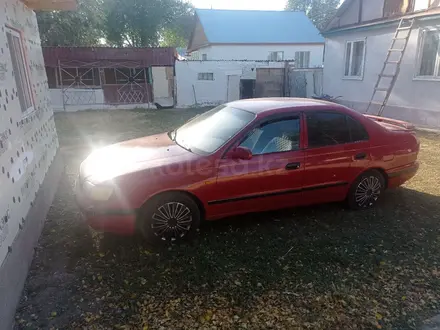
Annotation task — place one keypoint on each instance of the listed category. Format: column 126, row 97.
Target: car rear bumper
column 399, row 176
column 104, row 219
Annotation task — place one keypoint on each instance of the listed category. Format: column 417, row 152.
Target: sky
column 241, row 4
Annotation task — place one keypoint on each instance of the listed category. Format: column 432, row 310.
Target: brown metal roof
column 51, row 4
column 103, row 56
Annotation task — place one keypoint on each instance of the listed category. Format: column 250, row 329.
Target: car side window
column 327, row 129
column 357, row 130
column 274, row 136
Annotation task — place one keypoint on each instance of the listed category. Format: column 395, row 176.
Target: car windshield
column 211, row 130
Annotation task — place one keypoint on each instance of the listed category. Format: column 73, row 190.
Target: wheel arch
column 177, row 191
column 381, row 171
column 378, row 169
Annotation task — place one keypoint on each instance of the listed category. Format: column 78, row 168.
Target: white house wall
column 261, row 52
column 191, row 91
column 28, row 144
column 412, row 99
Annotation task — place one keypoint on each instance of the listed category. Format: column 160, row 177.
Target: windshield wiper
column 170, row 135
column 183, row 145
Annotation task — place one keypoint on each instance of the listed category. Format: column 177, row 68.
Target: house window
column 205, row 76
column 429, row 60
column 204, row 57
column 276, row 56
column 19, row 67
column 302, row 60
column 354, row 59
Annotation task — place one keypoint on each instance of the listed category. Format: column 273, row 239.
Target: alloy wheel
column 368, row 191
column 171, row 221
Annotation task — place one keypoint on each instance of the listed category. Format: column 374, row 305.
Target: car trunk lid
column 392, row 124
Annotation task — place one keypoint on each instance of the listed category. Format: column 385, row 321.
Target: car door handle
column 293, row 166
column 360, row 156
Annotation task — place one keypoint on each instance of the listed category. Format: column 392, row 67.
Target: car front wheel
column 169, row 218
column 366, row 190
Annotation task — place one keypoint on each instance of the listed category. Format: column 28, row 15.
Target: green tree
column 178, row 32
column 143, row 23
column 319, row 11
column 82, row 27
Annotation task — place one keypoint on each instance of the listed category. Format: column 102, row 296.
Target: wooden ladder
column 403, row 32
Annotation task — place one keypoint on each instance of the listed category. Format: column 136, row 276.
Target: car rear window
column 327, row 129
column 357, row 130
column 332, row 128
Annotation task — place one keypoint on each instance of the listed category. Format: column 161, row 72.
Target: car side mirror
column 240, row 153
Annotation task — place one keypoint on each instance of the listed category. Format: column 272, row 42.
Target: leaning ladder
column 403, row 32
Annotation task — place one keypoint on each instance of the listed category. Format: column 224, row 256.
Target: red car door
column 272, row 178
column 335, row 156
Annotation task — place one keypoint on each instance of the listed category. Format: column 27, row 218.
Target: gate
column 132, row 89
column 305, row 82
column 78, row 84
column 270, row 82
column 298, row 83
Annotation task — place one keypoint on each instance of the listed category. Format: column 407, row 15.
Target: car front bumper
column 104, row 218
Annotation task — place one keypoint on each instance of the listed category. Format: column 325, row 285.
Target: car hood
column 132, row 156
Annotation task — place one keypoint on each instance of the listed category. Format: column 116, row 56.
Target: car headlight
column 98, row 192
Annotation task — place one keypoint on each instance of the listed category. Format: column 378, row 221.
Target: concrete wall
column 190, row 90
column 261, row 52
column 412, row 99
column 28, row 146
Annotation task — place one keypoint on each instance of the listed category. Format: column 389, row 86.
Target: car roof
column 276, row 103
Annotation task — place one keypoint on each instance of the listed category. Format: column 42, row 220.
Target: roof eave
column 198, row 48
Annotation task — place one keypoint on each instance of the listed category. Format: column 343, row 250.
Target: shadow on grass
column 308, row 241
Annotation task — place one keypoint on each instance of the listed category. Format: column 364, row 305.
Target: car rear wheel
column 366, row 191
column 169, row 218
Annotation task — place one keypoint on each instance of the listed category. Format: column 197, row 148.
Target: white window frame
column 202, row 76
column 26, row 76
column 420, row 45
column 304, row 52
column 277, row 53
column 352, row 42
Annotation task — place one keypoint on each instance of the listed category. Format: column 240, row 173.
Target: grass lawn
column 321, row 267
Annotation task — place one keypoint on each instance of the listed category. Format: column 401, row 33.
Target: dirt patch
column 318, row 267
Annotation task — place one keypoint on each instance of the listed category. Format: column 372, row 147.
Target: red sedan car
column 245, row 156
